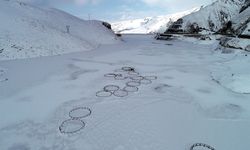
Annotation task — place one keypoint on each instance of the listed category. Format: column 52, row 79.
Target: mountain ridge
column 149, row 24
column 212, row 18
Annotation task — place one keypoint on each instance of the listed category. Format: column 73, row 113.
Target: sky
column 117, row 10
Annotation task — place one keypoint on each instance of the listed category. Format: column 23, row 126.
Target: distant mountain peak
column 149, row 24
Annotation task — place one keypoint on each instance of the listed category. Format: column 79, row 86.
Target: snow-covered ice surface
column 193, row 99
column 236, row 75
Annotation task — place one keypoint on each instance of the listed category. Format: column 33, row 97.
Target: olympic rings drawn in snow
column 120, row 77
column 131, row 88
column 3, row 80
column 80, row 112
column 112, row 75
column 111, row 88
column 137, row 78
column 133, row 83
column 2, row 72
column 71, row 126
column 75, row 124
column 133, row 73
column 103, row 94
column 128, row 69
column 201, row 145
column 120, row 93
column 133, row 80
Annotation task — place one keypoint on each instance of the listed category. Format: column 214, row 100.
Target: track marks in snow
column 172, row 93
column 93, row 61
column 223, row 111
column 75, row 75
column 204, row 90
column 19, row 146
column 78, row 71
column 2, row 75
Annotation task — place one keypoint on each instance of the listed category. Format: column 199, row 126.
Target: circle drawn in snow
column 120, row 93
column 137, row 78
column 133, row 73
column 131, row 88
column 80, row 112
column 145, row 81
column 120, row 77
column 110, row 75
column 133, row 83
column 1, row 72
column 128, row 69
column 4, row 80
column 150, row 77
column 103, row 94
column 111, row 88
column 71, row 126
column 201, row 145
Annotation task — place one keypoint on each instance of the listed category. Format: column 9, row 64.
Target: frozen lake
column 195, row 95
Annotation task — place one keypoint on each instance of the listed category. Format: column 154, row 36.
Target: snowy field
column 200, row 96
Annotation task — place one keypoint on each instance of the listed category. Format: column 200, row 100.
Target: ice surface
column 185, row 105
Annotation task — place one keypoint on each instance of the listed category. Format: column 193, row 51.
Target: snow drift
column 27, row 31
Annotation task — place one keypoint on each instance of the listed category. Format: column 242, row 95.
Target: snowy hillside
column 149, row 24
column 214, row 16
column 27, row 31
column 241, row 22
column 241, row 27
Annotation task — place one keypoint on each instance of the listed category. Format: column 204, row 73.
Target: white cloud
column 176, row 4
column 82, row 2
column 54, row 2
column 153, row 1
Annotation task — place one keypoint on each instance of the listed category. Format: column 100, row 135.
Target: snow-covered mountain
column 241, row 27
column 28, row 31
column 149, row 24
column 241, row 21
column 212, row 17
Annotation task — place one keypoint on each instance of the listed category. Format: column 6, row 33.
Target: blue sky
column 116, row 10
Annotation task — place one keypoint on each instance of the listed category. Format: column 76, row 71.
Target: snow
column 238, row 43
column 150, row 24
column 185, row 105
column 238, row 83
column 27, row 31
column 199, row 91
column 235, row 75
